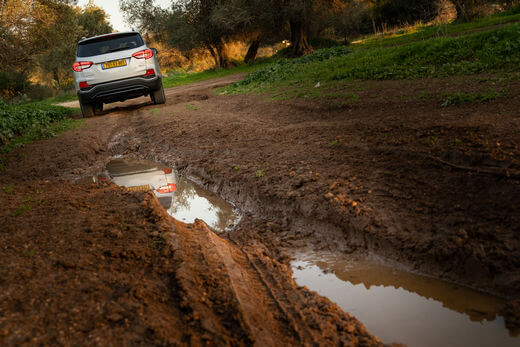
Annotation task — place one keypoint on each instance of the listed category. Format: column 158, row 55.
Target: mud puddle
column 398, row 306
column 181, row 197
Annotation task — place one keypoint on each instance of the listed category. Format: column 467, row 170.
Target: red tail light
column 170, row 188
column 81, row 65
column 167, row 171
column 83, row 85
column 144, row 54
column 150, row 72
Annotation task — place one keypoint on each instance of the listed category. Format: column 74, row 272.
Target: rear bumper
column 120, row 90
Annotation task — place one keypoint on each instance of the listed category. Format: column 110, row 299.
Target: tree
column 43, row 34
column 186, row 25
column 59, row 37
column 255, row 21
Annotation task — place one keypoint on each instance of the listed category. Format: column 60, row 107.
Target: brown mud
column 431, row 189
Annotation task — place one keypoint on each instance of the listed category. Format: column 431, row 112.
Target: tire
column 98, row 108
column 158, row 96
column 87, row 109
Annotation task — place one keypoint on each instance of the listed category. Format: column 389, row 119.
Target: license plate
column 144, row 188
column 115, row 63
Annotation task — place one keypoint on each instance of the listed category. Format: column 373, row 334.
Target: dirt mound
column 392, row 172
column 109, row 266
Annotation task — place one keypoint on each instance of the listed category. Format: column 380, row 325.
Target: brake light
column 167, row 171
column 170, row 188
column 150, row 72
column 83, row 85
column 144, row 54
column 81, row 65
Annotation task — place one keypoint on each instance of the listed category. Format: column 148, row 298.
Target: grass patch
column 23, row 118
column 461, row 98
column 34, row 134
column 492, row 51
column 180, row 78
column 421, row 32
column 62, row 97
column 192, row 107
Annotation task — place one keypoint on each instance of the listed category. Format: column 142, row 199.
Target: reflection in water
column 401, row 307
column 191, row 201
column 183, row 199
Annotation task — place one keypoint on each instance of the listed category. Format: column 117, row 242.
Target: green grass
column 62, row 97
column 17, row 119
column 192, row 107
column 461, row 98
column 181, row 78
column 423, row 32
column 38, row 133
column 496, row 50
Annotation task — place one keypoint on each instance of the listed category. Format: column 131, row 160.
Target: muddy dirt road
column 425, row 188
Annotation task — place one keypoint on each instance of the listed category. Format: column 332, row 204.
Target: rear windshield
column 108, row 44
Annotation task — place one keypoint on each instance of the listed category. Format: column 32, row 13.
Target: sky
column 111, row 7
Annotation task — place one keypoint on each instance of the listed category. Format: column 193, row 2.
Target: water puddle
column 182, row 198
column 401, row 307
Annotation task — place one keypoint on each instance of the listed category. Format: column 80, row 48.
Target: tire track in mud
column 125, row 261
column 334, row 222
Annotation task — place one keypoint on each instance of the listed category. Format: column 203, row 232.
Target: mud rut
column 287, row 205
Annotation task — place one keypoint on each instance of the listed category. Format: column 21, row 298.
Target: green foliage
column 21, row 124
column 422, row 32
column 9, row 188
column 19, row 119
column 460, row 98
column 283, row 69
column 180, row 78
column 11, row 83
column 192, row 107
column 40, row 36
column 259, row 173
column 491, row 51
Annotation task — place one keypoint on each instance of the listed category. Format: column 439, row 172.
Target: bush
column 492, row 51
column 18, row 119
column 284, row 68
column 12, row 83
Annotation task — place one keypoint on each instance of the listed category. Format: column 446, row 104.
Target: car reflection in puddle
column 143, row 176
column 182, row 198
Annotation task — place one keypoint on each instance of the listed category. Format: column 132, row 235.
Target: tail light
column 150, row 72
column 170, row 188
column 167, row 171
column 84, row 85
column 144, row 54
column 81, row 65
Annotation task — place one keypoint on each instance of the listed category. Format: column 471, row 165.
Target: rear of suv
column 115, row 67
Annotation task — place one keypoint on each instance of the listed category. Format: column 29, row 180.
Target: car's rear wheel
column 158, row 96
column 86, row 109
column 98, row 108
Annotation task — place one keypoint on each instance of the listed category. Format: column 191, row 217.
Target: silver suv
column 115, row 67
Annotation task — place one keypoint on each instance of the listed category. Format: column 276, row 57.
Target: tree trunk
column 374, row 25
column 56, row 76
column 213, row 54
column 252, row 51
column 299, row 39
column 223, row 56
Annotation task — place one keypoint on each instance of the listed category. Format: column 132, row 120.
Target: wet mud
column 427, row 189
